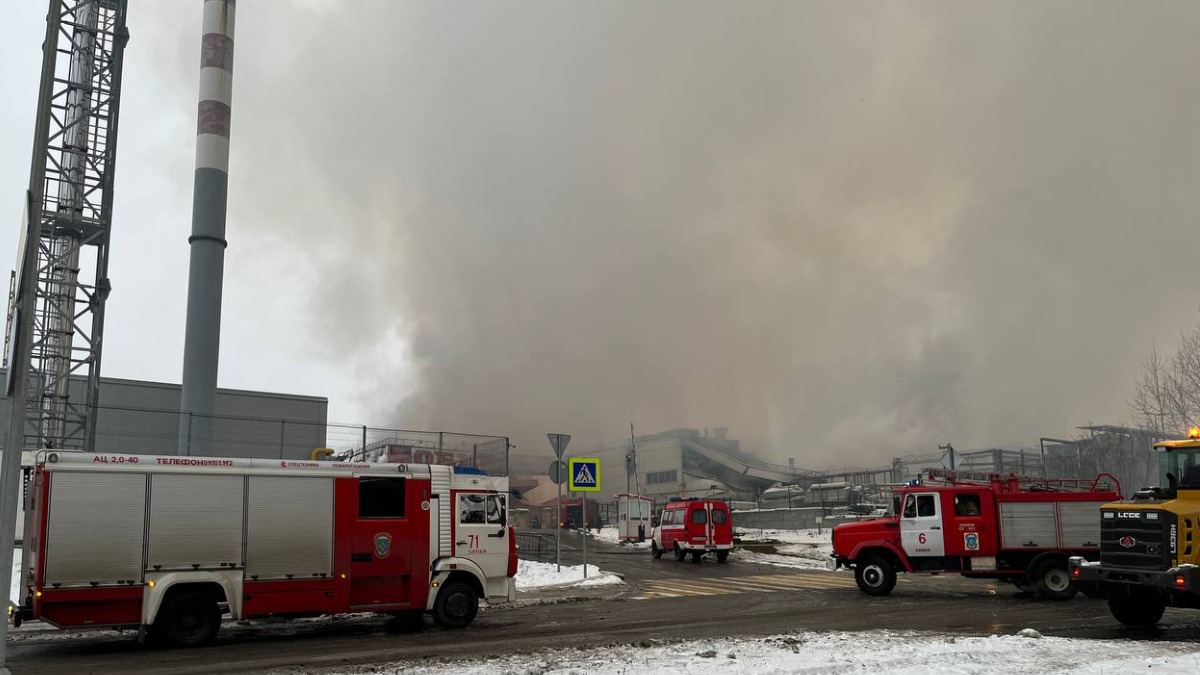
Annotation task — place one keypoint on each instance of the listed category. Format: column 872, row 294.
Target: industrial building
column 693, row 463
column 676, row 463
column 140, row 417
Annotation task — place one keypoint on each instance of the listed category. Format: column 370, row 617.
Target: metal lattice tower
column 70, row 204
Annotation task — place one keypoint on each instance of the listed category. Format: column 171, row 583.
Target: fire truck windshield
column 1184, row 463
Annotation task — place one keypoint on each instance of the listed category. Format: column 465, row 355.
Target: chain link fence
column 162, row 432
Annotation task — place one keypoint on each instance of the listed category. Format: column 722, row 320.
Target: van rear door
column 699, row 530
column 721, row 524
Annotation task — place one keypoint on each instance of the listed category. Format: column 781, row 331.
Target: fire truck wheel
column 874, row 576
column 1137, row 611
column 456, row 605
column 187, row 620
column 1053, row 581
column 696, row 556
column 680, row 554
column 1023, row 587
column 722, row 556
column 655, row 550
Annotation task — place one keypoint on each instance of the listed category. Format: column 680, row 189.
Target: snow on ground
column 868, row 652
column 777, row 560
column 810, row 537
column 801, row 549
column 532, row 574
column 610, row 535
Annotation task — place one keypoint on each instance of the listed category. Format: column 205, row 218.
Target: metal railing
column 535, row 546
column 157, row 432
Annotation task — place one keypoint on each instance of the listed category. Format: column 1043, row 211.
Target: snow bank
column 871, row 652
column 532, row 574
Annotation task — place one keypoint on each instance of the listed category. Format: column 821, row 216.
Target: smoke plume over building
column 843, row 231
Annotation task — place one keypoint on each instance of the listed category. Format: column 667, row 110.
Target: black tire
column 1052, row 580
column 874, row 575
column 696, row 556
column 1137, row 611
column 456, row 605
column 1022, row 585
column 187, row 620
column 680, row 554
column 655, row 551
column 722, row 556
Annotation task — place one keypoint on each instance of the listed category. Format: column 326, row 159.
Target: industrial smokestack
column 202, row 339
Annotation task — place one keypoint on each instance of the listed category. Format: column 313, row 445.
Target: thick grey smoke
column 844, row 230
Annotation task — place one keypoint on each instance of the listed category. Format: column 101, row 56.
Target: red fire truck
column 986, row 526
column 572, row 510
column 169, row 544
column 693, row 526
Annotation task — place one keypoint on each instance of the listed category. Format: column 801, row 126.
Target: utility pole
column 633, row 463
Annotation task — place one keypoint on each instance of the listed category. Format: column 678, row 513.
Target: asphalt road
column 663, row 600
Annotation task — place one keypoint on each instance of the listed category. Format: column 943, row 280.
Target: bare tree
column 1166, row 396
column 1122, row 452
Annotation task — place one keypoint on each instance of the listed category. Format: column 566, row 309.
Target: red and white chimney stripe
column 216, row 85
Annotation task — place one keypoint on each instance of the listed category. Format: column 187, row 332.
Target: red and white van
column 695, row 526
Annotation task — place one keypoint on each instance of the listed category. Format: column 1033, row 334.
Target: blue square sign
column 584, row 474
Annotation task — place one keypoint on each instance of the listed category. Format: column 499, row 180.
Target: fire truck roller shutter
column 1029, row 525
column 1080, row 524
column 289, row 527
column 195, row 521
column 96, row 529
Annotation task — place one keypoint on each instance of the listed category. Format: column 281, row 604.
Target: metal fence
column 160, row 432
column 535, row 546
column 539, row 546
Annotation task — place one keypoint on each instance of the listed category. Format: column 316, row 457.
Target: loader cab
column 1179, row 466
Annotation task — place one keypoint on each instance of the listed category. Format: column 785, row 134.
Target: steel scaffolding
column 70, row 213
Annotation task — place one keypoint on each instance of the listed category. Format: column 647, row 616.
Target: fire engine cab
column 693, row 526
column 169, row 544
column 988, row 526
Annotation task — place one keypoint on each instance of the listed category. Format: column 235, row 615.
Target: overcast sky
column 844, row 230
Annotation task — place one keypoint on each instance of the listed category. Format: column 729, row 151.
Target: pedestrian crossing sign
column 584, row 473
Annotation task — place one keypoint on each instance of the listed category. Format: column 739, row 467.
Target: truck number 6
column 921, row 537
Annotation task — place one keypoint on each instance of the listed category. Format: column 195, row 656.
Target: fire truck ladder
column 1014, row 483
